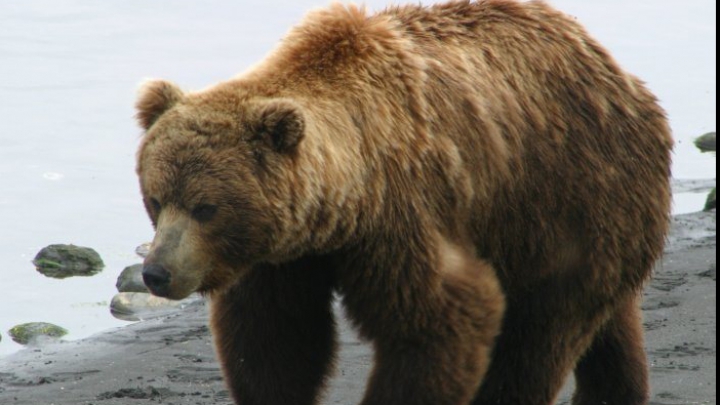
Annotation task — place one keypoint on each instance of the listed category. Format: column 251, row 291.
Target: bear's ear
column 281, row 125
column 155, row 98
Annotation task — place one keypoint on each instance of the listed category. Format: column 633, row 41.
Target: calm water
column 68, row 75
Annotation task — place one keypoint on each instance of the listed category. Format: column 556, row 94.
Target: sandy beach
column 171, row 360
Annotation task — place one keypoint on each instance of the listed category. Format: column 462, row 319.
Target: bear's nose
column 157, row 279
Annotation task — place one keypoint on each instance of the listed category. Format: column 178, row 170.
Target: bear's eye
column 155, row 205
column 204, row 212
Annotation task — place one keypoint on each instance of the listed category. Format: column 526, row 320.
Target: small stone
column 133, row 306
column 143, row 250
column 131, row 280
column 28, row 333
column 63, row 261
column 711, row 203
column 707, row 143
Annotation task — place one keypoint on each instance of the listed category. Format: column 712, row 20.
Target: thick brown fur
column 479, row 180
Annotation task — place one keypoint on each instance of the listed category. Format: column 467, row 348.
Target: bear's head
column 211, row 169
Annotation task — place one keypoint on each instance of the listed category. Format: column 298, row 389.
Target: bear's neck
column 331, row 195
column 351, row 181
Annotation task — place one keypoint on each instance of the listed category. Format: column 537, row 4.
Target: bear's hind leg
column 614, row 370
column 541, row 343
column 275, row 334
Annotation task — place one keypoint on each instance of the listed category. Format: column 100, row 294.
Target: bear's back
column 503, row 117
column 574, row 152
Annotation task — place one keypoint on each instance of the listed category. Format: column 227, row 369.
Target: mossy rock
column 707, row 143
column 63, row 261
column 27, row 333
column 711, row 203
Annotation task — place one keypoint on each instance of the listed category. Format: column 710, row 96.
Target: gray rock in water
column 63, row 261
column 142, row 306
column 131, row 280
column 707, row 143
column 143, row 250
column 28, row 333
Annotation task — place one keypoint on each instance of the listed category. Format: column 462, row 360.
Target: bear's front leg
column 275, row 334
column 433, row 329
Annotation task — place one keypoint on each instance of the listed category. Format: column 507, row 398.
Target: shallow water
column 68, row 74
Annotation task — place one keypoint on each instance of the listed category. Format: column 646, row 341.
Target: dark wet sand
column 171, row 361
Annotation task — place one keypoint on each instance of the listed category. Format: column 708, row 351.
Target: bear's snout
column 157, row 279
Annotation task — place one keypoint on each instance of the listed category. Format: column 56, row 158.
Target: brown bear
column 481, row 183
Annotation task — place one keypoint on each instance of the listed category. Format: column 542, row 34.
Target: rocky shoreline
column 170, row 359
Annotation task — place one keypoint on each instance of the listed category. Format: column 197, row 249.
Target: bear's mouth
column 210, row 286
column 219, row 281
column 167, row 282
column 206, row 289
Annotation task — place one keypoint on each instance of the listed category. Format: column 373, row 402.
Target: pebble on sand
column 133, row 306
